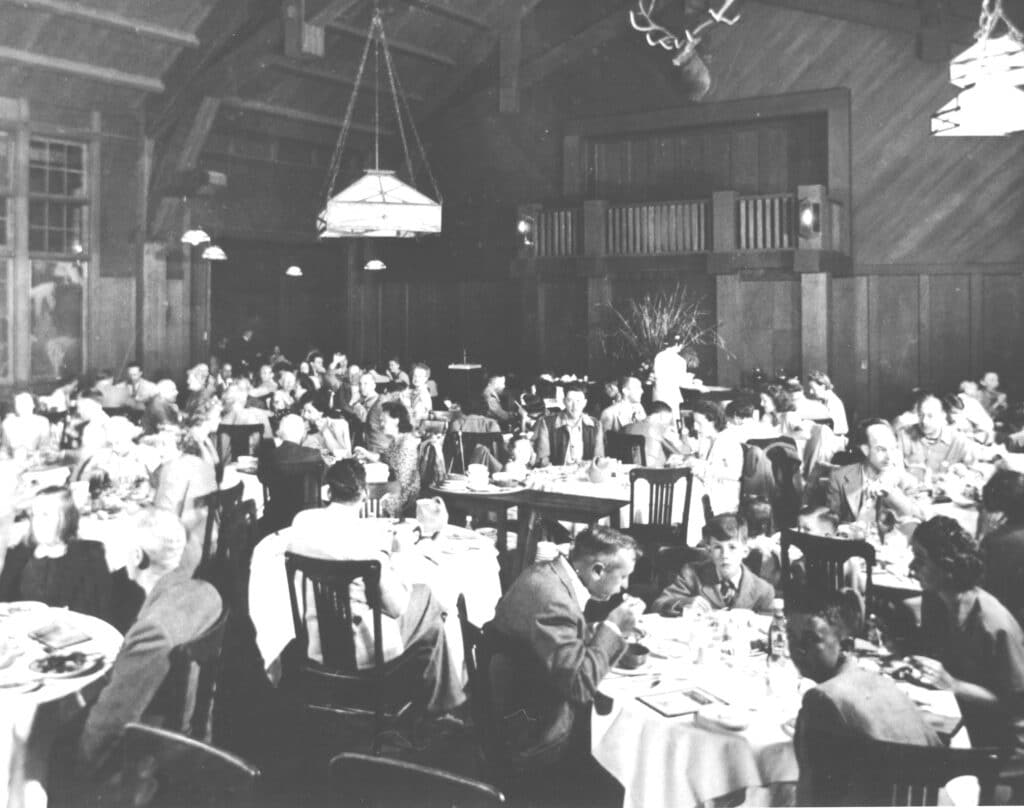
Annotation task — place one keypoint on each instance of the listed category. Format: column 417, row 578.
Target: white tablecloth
column 29, row 721
column 674, row 763
column 252, row 488
column 459, row 561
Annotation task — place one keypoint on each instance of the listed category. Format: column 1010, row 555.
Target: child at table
column 722, row 582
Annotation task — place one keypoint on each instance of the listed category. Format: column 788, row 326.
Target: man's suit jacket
column 551, row 440
column 846, row 495
column 183, row 485
column 178, row 609
column 660, row 442
column 370, row 412
column 701, row 580
column 551, row 663
column 291, row 473
column 854, row 703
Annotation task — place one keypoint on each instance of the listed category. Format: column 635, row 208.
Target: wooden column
column 599, row 299
column 21, row 282
column 723, row 231
column 153, row 322
column 730, row 314
column 815, row 292
column 595, row 225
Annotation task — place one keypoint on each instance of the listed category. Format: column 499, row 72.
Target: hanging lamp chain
column 992, row 13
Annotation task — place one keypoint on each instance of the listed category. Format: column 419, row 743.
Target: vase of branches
column 643, row 326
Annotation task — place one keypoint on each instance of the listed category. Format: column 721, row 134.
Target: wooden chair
column 286, row 494
column 825, row 422
column 375, row 492
column 458, row 446
column 824, row 564
column 162, row 768
column 481, row 704
column 365, row 781
column 235, row 545
column 669, row 560
column 196, row 702
column 765, row 443
column 336, row 685
column 237, row 440
column 864, row 771
column 221, row 505
column 626, row 448
column 657, row 528
column 705, row 502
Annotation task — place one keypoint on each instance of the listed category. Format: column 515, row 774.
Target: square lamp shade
column 984, row 110
column 994, row 59
column 379, row 204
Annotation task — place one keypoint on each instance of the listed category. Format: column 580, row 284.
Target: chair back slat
column 824, row 560
column 661, row 484
column 626, row 448
column 237, row 440
column 221, row 506
column 196, row 701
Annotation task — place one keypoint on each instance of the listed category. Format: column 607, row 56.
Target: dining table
column 451, row 562
column 35, row 703
column 700, row 720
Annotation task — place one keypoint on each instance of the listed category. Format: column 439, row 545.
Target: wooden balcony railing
column 766, row 222
column 657, row 228
column 558, row 233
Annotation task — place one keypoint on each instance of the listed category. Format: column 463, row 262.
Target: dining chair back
column 824, row 564
column 481, row 703
column 864, row 771
column 669, row 560
column 825, row 422
column 459, row 446
column 626, row 448
column 235, row 546
column 221, row 505
column 764, row 443
column 705, row 502
column 287, row 494
column 237, row 440
column 365, row 781
column 195, row 666
column 375, row 492
column 660, row 487
column 164, row 769
column 337, row 685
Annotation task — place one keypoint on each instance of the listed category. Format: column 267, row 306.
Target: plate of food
column 66, row 666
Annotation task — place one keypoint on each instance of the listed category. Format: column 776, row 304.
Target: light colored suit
column 847, row 494
column 550, row 666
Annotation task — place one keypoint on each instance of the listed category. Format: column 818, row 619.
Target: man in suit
column 367, row 408
column 330, row 399
column 549, row 662
column 571, row 436
column 140, row 389
column 856, row 492
column 661, row 436
column 723, row 581
column 491, row 398
column 290, row 471
column 849, row 704
column 177, row 609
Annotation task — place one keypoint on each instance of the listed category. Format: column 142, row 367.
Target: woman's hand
column 933, row 673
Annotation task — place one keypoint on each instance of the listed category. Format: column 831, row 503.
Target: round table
column 32, row 712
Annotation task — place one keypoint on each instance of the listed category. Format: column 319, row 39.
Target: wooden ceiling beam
column 441, row 10
column 110, row 19
column 573, row 48
column 396, row 44
column 321, row 12
column 877, row 13
column 314, row 71
column 104, row 75
column 263, row 108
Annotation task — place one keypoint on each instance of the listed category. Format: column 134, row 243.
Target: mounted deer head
column 696, row 77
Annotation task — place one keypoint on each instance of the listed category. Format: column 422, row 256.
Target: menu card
column 58, row 636
column 680, row 702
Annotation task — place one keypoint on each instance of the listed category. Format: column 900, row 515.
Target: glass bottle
column 779, row 674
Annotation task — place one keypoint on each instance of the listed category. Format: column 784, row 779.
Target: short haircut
column 312, row 356
column 346, row 481
column 860, row 434
column 292, row 428
column 820, row 514
column 598, row 541
column 712, row 411
column 625, row 380
column 841, row 610
column 161, row 536
column 396, row 409
column 133, row 364
column 422, row 365
column 793, row 385
column 658, row 407
column 782, row 399
column 1004, row 493
column 820, row 377
column 757, row 512
column 67, row 522
column 726, row 527
column 692, row 360
column 950, row 547
column 576, row 387
column 921, row 396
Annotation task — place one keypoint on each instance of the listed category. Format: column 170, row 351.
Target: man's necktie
column 728, row 592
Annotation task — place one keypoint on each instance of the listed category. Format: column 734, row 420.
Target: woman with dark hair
column 976, row 644
column 1002, row 548
column 53, row 565
column 402, row 457
column 717, row 464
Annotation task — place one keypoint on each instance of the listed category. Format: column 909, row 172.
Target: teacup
column 634, row 656
column 477, row 475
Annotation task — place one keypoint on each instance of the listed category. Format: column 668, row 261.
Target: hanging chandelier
column 990, row 72
column 379, row 204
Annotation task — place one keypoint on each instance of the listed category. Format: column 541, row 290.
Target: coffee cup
column 477, row 475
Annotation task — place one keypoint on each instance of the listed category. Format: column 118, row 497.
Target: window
column 6, row 151
column 57, row 210
column 6, row 249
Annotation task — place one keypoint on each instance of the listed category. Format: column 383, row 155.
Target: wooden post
column 21, row 283
column 510, row 54
column 815, row 293
column 599, row 299
column 723, row 221
column 730, row 314
column 595, row 225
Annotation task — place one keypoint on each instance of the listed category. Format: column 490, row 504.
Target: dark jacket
column 701, row 580
column 80, row 580
column 551, row 440
column 292, row 475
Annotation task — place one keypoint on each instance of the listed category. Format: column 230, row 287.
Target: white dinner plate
column 647, row 667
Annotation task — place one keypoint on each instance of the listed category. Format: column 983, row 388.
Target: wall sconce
column 195, row 236
column 374, row 265
column 214, row 253
column 294, row 271
column 527, row 228
column 810, row 218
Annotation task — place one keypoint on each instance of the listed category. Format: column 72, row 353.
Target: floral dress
column 402, row 457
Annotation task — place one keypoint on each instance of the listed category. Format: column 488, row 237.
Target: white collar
column 578, row 589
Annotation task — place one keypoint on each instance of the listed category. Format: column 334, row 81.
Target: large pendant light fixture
column 379, row 204
column 990, row 72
